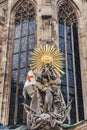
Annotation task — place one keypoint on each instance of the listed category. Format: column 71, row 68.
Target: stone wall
column 83, row 39
column 3, row 50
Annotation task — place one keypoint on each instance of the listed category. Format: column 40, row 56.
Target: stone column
column 83, row 53
column 83, row 60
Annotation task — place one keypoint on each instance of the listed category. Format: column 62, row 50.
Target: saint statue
column 47, row 109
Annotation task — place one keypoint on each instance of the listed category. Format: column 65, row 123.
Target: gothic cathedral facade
column 25, row 24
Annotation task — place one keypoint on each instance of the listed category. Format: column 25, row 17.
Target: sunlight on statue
column 47, row 109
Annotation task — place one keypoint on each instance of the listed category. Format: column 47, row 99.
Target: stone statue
column 47, row 105
column 47, row 109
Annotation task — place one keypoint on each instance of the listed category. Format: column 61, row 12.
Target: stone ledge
column 78, row 126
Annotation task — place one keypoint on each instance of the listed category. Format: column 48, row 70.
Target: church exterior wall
column 7, row 11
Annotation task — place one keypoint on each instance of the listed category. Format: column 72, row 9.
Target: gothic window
column 24, row 34
column 68, row 43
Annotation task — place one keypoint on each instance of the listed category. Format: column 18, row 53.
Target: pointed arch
column 23, row 41
column 69, row 44
column 72, row 4
column 17, row 3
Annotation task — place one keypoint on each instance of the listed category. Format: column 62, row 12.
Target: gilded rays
column 47, row 54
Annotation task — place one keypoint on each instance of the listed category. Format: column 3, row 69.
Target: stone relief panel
column 3, row 9
column 46, row 29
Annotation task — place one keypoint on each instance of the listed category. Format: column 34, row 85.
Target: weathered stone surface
column 82, row 126
column 6, row 20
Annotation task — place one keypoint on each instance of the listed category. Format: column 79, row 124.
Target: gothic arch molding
column 72, row 4
column 68, row 17
column 14, row 8
column 17, row 3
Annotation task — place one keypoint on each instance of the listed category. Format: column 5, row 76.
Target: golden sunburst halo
column 47, row 54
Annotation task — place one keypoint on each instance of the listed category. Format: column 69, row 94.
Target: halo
column 47, row 54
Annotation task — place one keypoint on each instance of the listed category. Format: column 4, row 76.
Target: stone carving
column 47, row 109
column 47, row 105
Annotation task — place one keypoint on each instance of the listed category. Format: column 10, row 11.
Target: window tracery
column 68, row 43
column 24, row 36
column 67, row 13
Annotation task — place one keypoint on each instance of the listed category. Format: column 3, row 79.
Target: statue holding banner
column 47, row 109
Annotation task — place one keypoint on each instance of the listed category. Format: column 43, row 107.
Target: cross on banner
column 30, row 81
column 29, row 77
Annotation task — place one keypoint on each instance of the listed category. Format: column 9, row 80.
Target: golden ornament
column 47, row 54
